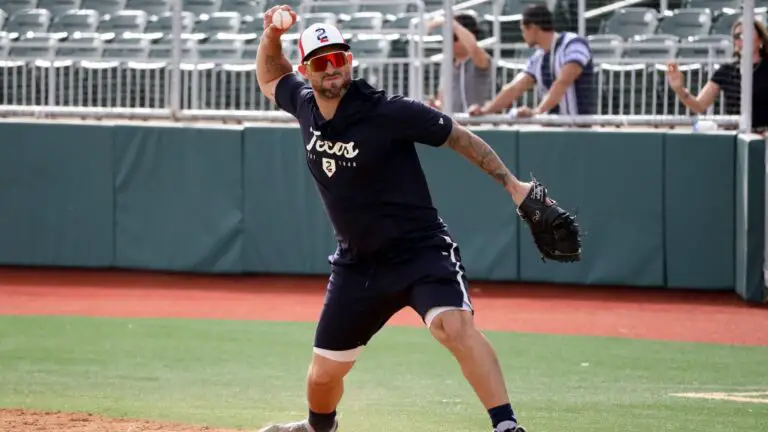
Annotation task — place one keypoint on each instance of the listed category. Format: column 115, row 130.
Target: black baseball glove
column 555, row 231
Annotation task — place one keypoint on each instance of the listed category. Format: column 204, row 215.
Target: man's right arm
column 271, row 64
column 508, row 94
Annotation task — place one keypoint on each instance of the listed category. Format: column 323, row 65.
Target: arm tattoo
column 276, row 65
column 478, row 152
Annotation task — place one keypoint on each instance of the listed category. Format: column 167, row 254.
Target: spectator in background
column 472, row 79
column 561, row 68
column 728, row 80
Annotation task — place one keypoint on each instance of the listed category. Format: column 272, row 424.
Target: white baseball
column 282, row 19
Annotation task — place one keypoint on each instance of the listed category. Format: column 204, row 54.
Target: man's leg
column 443, row 301
column 352, row 314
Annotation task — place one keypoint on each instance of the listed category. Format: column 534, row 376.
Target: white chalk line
column 748, row 397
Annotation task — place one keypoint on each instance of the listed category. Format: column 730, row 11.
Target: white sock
column 505, row 426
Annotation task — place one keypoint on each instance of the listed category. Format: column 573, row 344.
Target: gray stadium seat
column 253, row 27
column 714, row 5
column 719, row 46
column 33, row 51
column 631, row 22
column 246, row 8
column 390, row 10
column 129, row 21
column 126, row 49
column 368, row 21
column 606, row 48
column 58, row 7
column 685, row 23
column 655, row 48
column 201, row 7
column 89, row 47
column 75, row 22
column 12, row 6
column 162, row 26
column 220, row 50
column 219, row 22
column 336, row 7
column 151, row 7
column 104, row 7
column 402, row 22
column 312, row 18
column 164, row 51
column 371, row 47
column 30, row 20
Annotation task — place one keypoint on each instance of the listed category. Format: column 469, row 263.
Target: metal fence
column 181, row 78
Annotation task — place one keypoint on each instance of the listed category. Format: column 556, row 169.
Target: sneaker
column 302, row 426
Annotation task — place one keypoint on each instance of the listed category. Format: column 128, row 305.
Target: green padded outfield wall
column 56, row 194
column 750, row 217
column 178, row 198
column 657, row 207
column 479, row 212
column 615, row 181
column 699, row 208
column 286, row 228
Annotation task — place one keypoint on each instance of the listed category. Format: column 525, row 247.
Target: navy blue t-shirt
column 365, row 165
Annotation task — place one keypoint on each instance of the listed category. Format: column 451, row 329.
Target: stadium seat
column 724, row 22
column 370, row 47
column 104, row 7
column 246, row 8
column 85, row 47
column 715, row 5
column 218, row 22
column 126, row 49
column 390, row 11
column 73, row 22
column 12, row 6
column 307, row 20
column 631, row 22
column 651, row 48
column 153, row 8
column 703, row 48
column 685, row 23
column 164, row 51
column 132, row 22
column 29, row 20
column 335, row 7
column 201, row 7
column 402, row 22
column 162, row 26
column 58, row 7
column 606, row 48
column 364, row 21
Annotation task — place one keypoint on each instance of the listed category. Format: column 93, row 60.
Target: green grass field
column 242, row 374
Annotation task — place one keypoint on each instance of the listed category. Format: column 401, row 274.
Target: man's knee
column 452, row 327
column 331, row 366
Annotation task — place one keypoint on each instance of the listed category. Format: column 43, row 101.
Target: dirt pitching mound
column 21, row 420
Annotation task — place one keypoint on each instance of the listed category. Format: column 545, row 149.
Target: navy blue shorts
column 361, row 298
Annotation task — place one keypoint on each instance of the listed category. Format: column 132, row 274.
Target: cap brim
column 340, row 44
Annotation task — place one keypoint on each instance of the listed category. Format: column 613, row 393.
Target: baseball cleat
column 302, row 426
column 517, row 428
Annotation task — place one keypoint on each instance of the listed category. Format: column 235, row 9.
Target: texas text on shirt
column 366, row 167
column 580, row 98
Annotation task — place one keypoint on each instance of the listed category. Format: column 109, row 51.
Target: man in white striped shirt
column 561, row 69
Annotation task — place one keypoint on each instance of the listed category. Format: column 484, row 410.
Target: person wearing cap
column 472, row 78
column 393, row 250
column 561, row 68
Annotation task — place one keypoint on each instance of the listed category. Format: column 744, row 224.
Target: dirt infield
column 713, row 317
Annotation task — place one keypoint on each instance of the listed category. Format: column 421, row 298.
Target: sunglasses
column 337, row 59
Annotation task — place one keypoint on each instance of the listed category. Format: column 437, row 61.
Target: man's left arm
column 577, row 56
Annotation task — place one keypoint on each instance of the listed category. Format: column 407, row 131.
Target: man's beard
column 337, row 90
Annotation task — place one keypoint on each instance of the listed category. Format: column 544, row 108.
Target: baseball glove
column 555, row 231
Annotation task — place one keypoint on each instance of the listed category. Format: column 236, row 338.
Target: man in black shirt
column 393, row 249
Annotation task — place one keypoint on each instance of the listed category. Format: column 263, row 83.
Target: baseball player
column 393, row 249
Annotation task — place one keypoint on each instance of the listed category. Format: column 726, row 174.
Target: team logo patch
column 329, row 166
column 321, row 36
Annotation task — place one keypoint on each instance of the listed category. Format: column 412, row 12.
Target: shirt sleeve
column 290, row 93
column 723, row 76
column 532, row 65
column 577, row 51
column 415, row 121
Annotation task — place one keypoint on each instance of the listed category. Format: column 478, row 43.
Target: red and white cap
column 317, row 36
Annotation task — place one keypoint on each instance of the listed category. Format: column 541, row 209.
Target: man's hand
column 525, row 112
column 271, row 31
